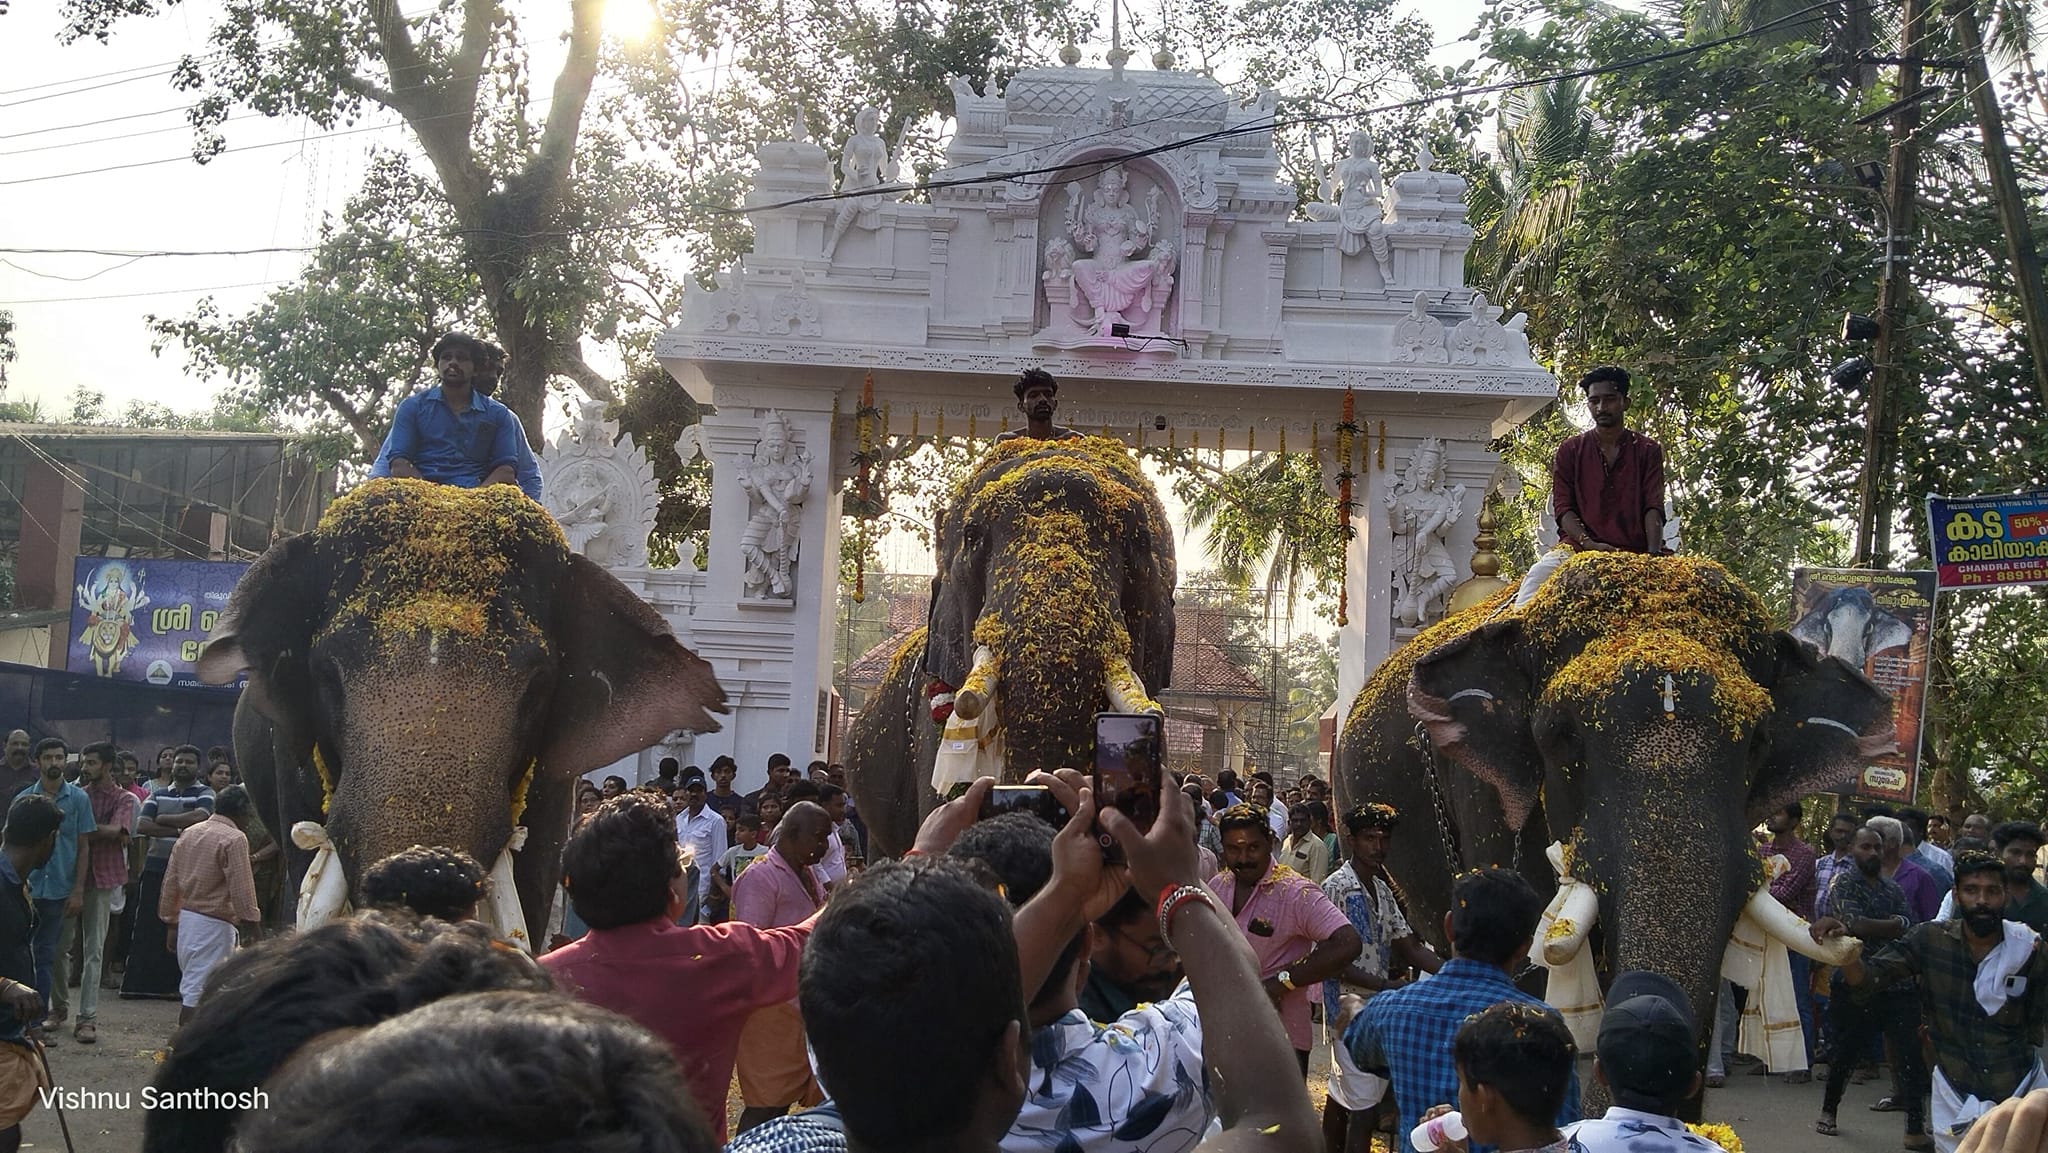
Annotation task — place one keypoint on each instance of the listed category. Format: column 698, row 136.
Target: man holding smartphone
column 1299, row 937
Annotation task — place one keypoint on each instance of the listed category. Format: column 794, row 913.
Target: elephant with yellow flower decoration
column 1053, row 602
column 1616, row 739
column 433, row 666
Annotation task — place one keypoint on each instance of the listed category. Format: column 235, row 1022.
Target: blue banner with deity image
column 140, row 619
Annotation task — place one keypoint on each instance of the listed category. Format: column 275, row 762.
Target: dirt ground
column 1770, row 1116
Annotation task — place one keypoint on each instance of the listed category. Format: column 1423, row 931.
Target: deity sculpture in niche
column 1126, row 278
column 1418, row 336
column 777, row 479
column 865, row 163
column 1360, row 208
column 600, row 488
column 1421, row 512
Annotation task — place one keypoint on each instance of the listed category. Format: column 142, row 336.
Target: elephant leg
column 537, row 868
column 889, row 761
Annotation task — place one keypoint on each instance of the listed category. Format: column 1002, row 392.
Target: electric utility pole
column 1873, row 500
column 2005, row 189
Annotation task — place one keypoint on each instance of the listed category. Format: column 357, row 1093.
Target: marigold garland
column 1346, row 431
column 1719, row 1134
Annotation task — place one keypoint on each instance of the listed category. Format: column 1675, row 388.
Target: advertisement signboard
column 1880, row 623
column 1981, row 541
column 137, row 619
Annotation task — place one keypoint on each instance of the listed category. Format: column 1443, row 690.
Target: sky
column 95, row 154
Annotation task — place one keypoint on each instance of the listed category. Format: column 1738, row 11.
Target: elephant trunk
column 424, row 765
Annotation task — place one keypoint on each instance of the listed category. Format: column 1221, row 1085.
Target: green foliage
column 1991, row 717
column 336, row 350
column 1269, row 522
column 656, row 410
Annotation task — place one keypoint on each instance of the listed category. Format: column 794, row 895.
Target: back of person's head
column 429, row 880
column 31, row 819
column 909, row 991
column 488, row 1072
column 668, row 768
column 1915, row 822
column 619, row 864
column 1646, row 1043
column 1612, row 374
column 1493, row 915
column 1017, row 848
column 234, row 804
column 263, row 1003
column 2010, row 831
column 1521, row 1052
column 802, row 790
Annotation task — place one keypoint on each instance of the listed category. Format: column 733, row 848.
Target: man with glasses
column 1131, row 964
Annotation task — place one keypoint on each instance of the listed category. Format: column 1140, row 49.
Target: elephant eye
column 972, row 535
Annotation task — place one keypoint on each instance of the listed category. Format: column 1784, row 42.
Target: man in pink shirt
column 1299, row 937
column 625, row 876
column 780, row 889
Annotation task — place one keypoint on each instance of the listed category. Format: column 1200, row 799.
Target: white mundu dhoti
column 203, row 942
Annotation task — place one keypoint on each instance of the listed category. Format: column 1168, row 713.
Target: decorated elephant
column 1643, row 712
column 432, row 665
column 1053, row 601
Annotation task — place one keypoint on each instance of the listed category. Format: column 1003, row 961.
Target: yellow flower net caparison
column 1615, row 614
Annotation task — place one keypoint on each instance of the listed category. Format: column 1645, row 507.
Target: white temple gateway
column 1131, row 233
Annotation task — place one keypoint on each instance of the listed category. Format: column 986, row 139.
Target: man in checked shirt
column 1983, row 993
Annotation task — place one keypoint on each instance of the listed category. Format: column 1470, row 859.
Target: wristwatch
column 1286, row 980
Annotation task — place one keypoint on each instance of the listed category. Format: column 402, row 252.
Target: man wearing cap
column 1983, row 993
column 700, row 829
column 1645, row 1058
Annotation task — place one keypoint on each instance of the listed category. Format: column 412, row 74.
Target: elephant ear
column 1473, row 696
column 266, row 631
column 1149, row 578
column 1827, row 721
column 622, row 680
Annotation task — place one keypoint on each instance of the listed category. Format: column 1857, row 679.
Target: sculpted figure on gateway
column 1119, row 280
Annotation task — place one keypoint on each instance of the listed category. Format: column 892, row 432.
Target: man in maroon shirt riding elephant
column 1606, row 485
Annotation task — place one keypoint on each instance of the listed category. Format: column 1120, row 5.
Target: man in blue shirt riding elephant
column 455, row 433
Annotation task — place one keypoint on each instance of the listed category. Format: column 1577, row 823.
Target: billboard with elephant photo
column 142, row 619
column 1880, row 623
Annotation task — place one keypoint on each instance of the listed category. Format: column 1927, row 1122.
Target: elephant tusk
column 973, row 696
column 1791, row 930
column 503, row 912
column 323, row 892
column 1573, row 989
column 1126, row 692
column 1578, row 906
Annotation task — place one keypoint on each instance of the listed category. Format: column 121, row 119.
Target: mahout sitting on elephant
column 1053, row 601
column 433, row 666
column 1640, row 710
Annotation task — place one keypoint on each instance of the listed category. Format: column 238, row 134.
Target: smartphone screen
column 1034, row 799
column 1127, row 769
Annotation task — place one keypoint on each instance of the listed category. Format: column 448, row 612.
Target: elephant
column 433, row 665
column 1053, row 601
column 1640, row 710
column 1847, row 624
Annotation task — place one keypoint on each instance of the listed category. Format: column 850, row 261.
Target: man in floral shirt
column 1360, row 891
